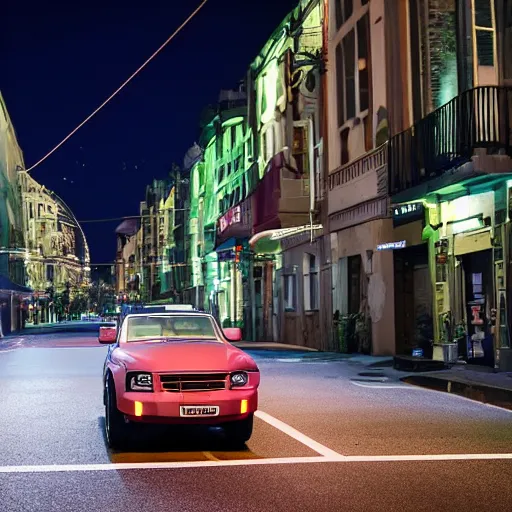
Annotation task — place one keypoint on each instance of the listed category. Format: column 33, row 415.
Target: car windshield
column 170, row 327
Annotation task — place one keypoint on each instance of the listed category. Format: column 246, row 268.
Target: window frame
column 290, row 305
column 311, row 282
column 343, row 122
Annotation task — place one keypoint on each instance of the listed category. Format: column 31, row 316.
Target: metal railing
column 370, row 161
column 448, row 137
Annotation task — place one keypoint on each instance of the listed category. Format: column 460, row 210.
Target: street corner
column 477, row 391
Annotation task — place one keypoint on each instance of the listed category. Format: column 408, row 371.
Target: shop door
column 413, row 301
column 404, row 304
column 479, row 301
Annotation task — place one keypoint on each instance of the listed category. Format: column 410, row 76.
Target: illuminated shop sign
column 231, row 217
column 405, row 213
column 232, row 254
column 391, row 246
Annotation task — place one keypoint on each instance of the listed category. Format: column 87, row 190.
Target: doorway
column 413, row 301
column 479, row 297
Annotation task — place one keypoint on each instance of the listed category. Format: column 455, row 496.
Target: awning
column 6, row 285
column 269, row 242
column 228, row 245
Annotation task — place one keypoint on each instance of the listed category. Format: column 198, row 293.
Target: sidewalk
column 65, row 326
column 474, row 382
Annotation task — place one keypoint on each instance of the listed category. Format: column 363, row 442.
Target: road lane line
column 70, row 468
column 63, row 468
column 298, row 436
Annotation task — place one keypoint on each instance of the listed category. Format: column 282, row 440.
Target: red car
column 177, row 367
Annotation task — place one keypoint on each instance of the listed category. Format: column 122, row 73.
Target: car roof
column 170, row 313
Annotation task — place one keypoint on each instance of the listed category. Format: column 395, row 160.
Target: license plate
column 199, row 410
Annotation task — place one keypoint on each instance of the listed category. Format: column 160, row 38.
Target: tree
column 79, row 303
column 65, row 298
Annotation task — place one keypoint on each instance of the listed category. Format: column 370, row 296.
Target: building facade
column 287, row 242
column 57, row 254
column 329, row 200
column 449, row 178
column 13, row 289
column 151, row 239
column 360, row 98
column 127, row 277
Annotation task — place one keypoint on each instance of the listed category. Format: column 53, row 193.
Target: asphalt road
column 326, row 439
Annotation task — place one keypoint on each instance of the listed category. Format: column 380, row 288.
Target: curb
column 500, row 397
column 270, row 346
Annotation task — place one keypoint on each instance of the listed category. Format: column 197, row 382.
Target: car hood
column 188, row 356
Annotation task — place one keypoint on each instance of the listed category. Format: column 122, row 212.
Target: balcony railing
column 359, row 181
column 448, row 137
column 368, row 162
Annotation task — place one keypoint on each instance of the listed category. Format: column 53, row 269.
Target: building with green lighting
column 288, row 246
column 256, row 192
column 219, row 218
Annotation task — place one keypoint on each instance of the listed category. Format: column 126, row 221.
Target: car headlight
column 139, row 381
column 239, row 379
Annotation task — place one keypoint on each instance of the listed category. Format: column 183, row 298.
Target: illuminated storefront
column 234, row 264
column 462, row 239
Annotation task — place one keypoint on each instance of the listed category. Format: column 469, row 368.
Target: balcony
column 281, row 199
column 359, row 181
column 448, row 137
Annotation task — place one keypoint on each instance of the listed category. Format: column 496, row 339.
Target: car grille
column 193, row 382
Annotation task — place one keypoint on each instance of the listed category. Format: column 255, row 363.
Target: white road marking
column 378, row 386
column 67, row 468
column 421, row 388
column 298, row 436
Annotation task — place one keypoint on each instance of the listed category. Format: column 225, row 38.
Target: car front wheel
column 115, row 427
column 239, row 432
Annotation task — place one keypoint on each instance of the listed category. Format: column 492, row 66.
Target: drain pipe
column 312, row 175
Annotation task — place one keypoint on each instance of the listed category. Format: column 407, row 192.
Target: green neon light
column 232, row 121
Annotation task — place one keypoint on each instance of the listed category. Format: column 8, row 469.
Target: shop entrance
column 478, row 300
column 413, row 301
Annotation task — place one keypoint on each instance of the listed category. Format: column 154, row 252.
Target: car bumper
column 165, row 407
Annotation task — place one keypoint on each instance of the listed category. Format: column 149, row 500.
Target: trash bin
column 450, row 352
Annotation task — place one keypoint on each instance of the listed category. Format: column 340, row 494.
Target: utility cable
column 173, row 35
column 147, row 216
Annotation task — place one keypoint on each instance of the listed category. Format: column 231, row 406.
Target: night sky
column 59, row 60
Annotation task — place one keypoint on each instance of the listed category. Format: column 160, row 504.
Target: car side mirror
column 233, row 333
column 108, row 335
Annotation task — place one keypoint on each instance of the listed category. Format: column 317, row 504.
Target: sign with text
column 390, row 246
column 231, row 217
column 405, row 213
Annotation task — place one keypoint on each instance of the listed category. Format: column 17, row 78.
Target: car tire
column 239, row 432
column 115, row 426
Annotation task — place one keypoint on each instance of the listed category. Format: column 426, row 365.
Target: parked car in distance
column 177, row 367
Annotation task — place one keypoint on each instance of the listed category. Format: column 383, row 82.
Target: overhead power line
column 112, row 219
column 173, row 35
